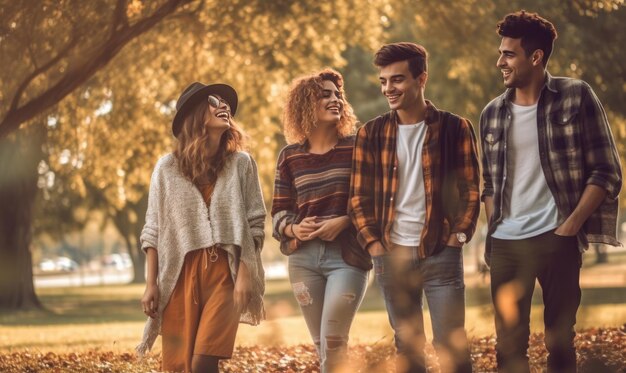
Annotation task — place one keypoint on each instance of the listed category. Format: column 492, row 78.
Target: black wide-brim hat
column 194, row 94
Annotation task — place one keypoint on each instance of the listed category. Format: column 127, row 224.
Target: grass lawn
column 109, row 318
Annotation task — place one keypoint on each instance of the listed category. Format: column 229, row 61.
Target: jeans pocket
column 566, row 240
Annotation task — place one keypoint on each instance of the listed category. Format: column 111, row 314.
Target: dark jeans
column 402, row 280
column 515, row 264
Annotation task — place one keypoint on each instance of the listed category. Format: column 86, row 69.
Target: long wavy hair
column 192, row 153
column 299, row 115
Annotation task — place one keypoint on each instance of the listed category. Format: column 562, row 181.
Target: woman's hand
column 303, row 230
column 243, row 288
column 329, row 229
column 150, row 300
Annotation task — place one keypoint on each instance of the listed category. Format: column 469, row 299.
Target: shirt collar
column 430, row 117
column 549, row 84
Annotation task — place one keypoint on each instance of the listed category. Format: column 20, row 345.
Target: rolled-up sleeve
column 361, row 203
column 600, row 153
column 284, row 198
column 467, row 180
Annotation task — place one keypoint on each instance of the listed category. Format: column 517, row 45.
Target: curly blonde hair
column 299, row 115
column 191, row 150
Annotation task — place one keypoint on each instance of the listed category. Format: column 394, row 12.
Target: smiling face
column 330, row 106
column 517, row 68
column 398, row 85
column 218, row 113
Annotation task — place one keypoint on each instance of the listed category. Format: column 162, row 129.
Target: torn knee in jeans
column 348, row 297
column 301, row 291
column 334, row 342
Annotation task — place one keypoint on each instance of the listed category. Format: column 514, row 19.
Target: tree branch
column 120, row 20
column 22, row 87
column 191, row 13
column 77, row 76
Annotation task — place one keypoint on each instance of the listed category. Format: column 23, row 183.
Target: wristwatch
column 461, row 237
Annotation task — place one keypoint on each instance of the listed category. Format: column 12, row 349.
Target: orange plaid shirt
column 374, row 182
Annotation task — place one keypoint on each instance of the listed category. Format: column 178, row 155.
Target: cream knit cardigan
column 178, row 221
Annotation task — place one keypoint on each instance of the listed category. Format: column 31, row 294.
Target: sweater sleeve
column 255, row 206
column 150, row 233
column 284, row 198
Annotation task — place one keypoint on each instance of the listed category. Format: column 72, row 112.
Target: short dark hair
column 414, row 53
column 535, row 31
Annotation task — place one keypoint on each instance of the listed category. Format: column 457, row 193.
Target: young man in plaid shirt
column 552, row 176
column 414, row 202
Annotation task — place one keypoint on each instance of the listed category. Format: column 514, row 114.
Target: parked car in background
column 276, row 270
column 58, row 264
column 117, row 261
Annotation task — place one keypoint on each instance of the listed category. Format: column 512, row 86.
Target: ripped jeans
column 329, row 292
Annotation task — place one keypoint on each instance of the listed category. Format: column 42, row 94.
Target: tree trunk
column 19, row 158
column 138, row 259
column 139, row 264
column 129, row 223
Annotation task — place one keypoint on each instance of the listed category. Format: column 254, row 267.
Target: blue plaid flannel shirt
column 576, row 148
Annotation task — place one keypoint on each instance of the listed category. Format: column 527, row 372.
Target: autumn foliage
column 599, row 350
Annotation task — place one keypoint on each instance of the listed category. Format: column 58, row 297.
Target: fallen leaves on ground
column 599, row 350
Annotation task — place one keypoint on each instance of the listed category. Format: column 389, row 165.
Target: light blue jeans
column 329, row 292
column 403, row 278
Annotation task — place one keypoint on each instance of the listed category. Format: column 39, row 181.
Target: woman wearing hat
column 203, row 236
column 327, row 267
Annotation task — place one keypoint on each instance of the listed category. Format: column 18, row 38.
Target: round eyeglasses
column 215, row 102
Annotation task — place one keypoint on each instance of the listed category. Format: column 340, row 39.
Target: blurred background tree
column 463, row 48
column 93, row 86
column 99, row 80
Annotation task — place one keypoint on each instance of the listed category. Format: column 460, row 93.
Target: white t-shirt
column 410, row 205
column 528, row 207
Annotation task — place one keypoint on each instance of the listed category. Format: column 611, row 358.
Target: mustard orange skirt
column 199, row 318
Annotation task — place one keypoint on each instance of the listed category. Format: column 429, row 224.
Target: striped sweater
column 308, row 184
